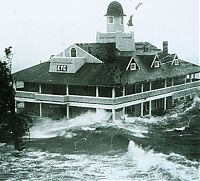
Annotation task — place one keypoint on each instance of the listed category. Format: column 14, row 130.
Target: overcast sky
column 37, row 29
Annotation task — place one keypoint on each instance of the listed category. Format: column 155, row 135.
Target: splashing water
column 90, row 148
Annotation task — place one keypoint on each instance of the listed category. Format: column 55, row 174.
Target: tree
column 13, row 126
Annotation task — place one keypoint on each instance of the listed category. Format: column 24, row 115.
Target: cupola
column 115, row 17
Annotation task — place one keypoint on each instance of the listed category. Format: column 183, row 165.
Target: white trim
column 87, row 53
column 156, row 56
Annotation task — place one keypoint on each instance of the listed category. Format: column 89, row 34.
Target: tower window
column 110, row 19
column 122, row 20
column 73, row 52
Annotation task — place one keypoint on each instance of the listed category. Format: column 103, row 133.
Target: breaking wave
column 90, row 148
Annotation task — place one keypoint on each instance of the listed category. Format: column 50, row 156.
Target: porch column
column 67, row 110
column 124, row 91
column 150, row 85
column 142, row 87
column 40, row 109
column 113, row 114
column 165, row 83
column 113, row 92
column 165, row 103
column 172, row 81
column 123, row 111
column 67, row 90
column 150, row 108
column 97, row 91
column 142, row 109
column 40, row 89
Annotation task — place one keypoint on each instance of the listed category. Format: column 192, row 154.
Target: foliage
column 13, row 126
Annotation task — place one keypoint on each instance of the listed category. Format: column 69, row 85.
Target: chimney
column 165, row 47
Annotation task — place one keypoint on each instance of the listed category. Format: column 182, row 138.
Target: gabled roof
column 146, row 60
column 88, row 74
column 112, row 70
column 167, row 58
column 166, row 71
column 106, row 52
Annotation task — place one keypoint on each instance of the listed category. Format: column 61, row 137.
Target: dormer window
column 133, row 66
column 110, row 19
column 73, row 52
column 156, row 64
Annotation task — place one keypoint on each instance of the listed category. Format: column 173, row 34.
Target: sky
column 37, row 29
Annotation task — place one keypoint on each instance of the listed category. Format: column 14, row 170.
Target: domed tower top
column 115, row 9
column 115, row 17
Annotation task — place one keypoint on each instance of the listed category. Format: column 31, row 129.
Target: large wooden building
column 116, row 74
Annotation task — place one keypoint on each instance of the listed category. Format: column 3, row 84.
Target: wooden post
column 150, row 107
column 97, row 91
column 67, row 90
column 113, row 114
column 150, row 85
column 40, row 89
column 113, row 92
column 165, row 83
column 165, row 103
column 172, row 81
column 40, row 109
column 67, row 109
column 123, row 111
column 142, row 87
column 142, row 109
column 124, row 91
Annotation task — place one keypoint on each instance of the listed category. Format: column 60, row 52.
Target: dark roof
column 165, row 71
column 146, row 48
column 146, row 60
column 166, row 58
column 112, row 70
column 115, row 9
column 88, row 74
column 106, row 52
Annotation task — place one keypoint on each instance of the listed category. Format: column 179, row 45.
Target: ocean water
column 88, row 148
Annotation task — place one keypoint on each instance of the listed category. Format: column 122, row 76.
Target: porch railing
column 103, row 100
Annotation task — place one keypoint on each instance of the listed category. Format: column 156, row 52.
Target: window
column 122, row 20
column 133, row 66
column 156, row 64
column 176, row 62
column 110, row 19
column 73, row 52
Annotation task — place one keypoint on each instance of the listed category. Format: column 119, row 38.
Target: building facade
column 115, row 74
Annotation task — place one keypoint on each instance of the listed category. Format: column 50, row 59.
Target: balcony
column 64, row 99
